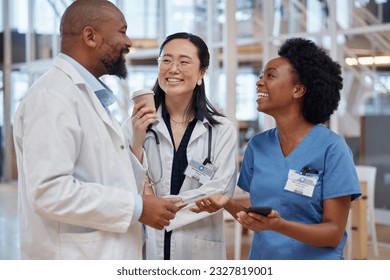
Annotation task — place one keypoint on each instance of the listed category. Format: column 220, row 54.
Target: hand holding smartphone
column 260, row 210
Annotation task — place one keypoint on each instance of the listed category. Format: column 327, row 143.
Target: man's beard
column 116, row 67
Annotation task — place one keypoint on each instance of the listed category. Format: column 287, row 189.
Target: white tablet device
column 193, row 196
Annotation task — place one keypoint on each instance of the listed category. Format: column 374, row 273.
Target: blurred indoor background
column 241, row 35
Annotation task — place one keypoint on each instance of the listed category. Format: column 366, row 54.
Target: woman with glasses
column 190, row 149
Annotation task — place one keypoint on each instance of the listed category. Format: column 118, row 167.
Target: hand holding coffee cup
column 144, row 94
column 143, row 115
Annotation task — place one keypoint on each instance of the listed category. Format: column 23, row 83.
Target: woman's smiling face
column 179, row 68
column 276, row 86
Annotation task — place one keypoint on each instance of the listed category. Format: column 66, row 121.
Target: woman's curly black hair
column 319, row 74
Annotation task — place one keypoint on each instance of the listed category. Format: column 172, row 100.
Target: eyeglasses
column 166, row 62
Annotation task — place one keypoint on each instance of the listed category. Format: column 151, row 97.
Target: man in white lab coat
column 80, row 182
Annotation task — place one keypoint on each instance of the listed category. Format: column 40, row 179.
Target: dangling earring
column 199, row 82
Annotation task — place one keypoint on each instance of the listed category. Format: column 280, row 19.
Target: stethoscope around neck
column 152, row 151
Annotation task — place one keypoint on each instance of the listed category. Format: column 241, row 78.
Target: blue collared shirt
column 106, row 97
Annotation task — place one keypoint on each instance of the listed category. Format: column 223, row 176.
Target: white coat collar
column 201, row 127
column 78, row 80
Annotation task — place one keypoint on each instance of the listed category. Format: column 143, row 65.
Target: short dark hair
column 199, row 100
column 319, row 74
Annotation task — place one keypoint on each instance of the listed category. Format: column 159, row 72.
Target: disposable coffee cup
column 144, row 94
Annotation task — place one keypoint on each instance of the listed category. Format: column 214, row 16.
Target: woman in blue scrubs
column 301, row 169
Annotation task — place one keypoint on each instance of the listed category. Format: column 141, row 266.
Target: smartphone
column 260, row 210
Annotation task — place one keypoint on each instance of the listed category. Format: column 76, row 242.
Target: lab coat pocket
column 211, row 250
column 84, row 246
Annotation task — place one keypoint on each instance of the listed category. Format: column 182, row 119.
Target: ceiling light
column 368, row 60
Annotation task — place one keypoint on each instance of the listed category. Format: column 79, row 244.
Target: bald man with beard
column 80, row 182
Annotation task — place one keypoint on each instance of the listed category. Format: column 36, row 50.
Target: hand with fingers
column 210, row 204
column 258, row 222
column 157, row 212
column 141, row 118
column 148, row 187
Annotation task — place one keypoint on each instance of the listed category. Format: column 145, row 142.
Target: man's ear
column 89, row 36
column 299, row 91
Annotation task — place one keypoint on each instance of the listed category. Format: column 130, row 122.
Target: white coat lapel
column 78, row 80
column 161, row 127
column 199, row 130
column 107, row 118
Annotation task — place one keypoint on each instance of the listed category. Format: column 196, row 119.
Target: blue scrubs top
column 264, row 175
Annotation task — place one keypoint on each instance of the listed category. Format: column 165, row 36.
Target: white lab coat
column 195, row 236
column 77, row 176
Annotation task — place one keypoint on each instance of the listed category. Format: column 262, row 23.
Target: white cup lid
column 141, row 92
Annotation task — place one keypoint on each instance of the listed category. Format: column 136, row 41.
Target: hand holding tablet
column 193, row 196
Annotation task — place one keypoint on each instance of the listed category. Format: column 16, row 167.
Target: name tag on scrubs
column 300, row 184
column 200, row 172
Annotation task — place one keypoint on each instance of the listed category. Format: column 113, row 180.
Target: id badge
column 200, row 172
column 300, row 184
